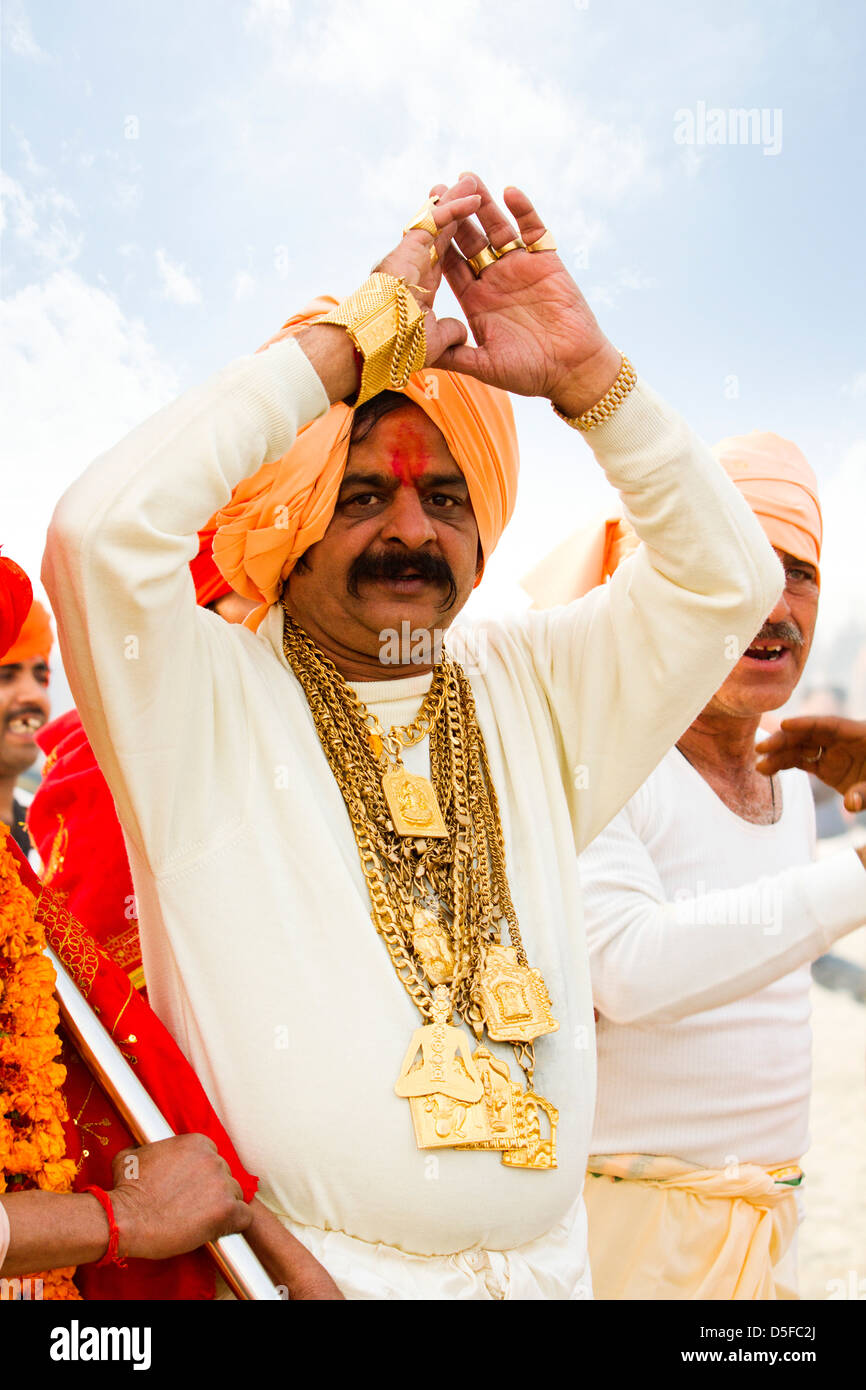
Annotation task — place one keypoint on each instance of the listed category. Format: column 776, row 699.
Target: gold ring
column 517, row 245
column 434, row 254
column 423, row 219
column 486, row 256
column 544, row 243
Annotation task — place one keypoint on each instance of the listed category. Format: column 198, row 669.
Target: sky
column 177, row 178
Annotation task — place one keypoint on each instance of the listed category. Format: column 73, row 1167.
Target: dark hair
column 368, row 415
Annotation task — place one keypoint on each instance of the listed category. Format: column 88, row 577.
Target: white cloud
column 842, row 587
column 37, row 222
column 75, row 376
column 264, row 12
column 30, row 162
column 692, row 160
column 18, row 34
column 127, row 196
column 608, row 294
column 244, row 285
column 177, row 286
column 450, row 94
column 856, row 387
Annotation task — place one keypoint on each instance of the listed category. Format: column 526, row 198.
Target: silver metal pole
column 237, row 1263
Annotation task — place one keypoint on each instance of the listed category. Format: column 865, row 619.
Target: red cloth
column 168, row 1077
column 209, row 583
column 73, row 824
column 16, row 596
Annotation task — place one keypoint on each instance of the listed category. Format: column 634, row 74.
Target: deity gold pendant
column 464, row 1101
column 412, row 803
column 432, row 946
column 446, row 1067
column 514, row 1118
column 513, row 998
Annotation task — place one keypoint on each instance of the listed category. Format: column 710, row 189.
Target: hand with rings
column 534, row 332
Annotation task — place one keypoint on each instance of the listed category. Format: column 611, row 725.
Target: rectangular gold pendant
column 444, row 1123
column 513, row 998
column 501, row 1095
column 412, row 804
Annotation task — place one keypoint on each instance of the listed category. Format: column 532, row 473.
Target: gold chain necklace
column 433, row 858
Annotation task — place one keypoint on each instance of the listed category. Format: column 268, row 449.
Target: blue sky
column 179, row 177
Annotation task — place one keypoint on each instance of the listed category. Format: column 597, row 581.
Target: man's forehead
column 788, row 559
column 404, row 438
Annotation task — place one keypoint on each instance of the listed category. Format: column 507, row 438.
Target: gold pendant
column 497, row 1104
column 514, row 998
column 533, row 1148
column 444, row 1086
column 432, row 946
column 514, row 1118
column 412, row 803
column 446, row 1067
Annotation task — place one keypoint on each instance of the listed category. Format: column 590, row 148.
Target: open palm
column 533, row 329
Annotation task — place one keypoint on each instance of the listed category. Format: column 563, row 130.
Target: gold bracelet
column 386, row 324
column 609, row 402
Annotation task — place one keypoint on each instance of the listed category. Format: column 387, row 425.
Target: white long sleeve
column 700, row 927
column 149, row 670
column 658, row 957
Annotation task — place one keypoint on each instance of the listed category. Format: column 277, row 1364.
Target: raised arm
column 146, row 666
column 626, row 669
column 654, row 960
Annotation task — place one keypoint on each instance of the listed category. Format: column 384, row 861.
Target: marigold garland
column 32, row 1108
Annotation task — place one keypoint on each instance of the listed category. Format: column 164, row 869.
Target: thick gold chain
column 463, row 874
column 405, row 736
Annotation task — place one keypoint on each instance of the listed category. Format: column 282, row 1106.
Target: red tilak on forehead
column 408, row 453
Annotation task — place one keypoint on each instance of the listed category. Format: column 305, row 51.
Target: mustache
column 23, row 712
column 394, row 564
column 781, row 632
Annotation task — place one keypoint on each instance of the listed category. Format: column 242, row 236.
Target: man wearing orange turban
column 337, row 852
column 24, row 707
column 703, row 914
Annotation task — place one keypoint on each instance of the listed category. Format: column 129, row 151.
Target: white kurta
column 255, row 919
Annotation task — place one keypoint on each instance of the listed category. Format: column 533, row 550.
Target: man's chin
column 391, row 604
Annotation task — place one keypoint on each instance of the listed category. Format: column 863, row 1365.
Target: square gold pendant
column 513, row 998
column 413, row 806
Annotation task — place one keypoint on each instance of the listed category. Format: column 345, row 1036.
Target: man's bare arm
column 182, row 1196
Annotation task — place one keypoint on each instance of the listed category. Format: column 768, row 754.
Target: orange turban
column 780, row 488
column 34, row 640
column 587, row 558
column 769, row 471
column 284, row 508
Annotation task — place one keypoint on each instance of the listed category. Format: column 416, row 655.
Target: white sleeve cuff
column 835, row 890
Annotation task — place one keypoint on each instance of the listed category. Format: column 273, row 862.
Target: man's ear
column 479, row 563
